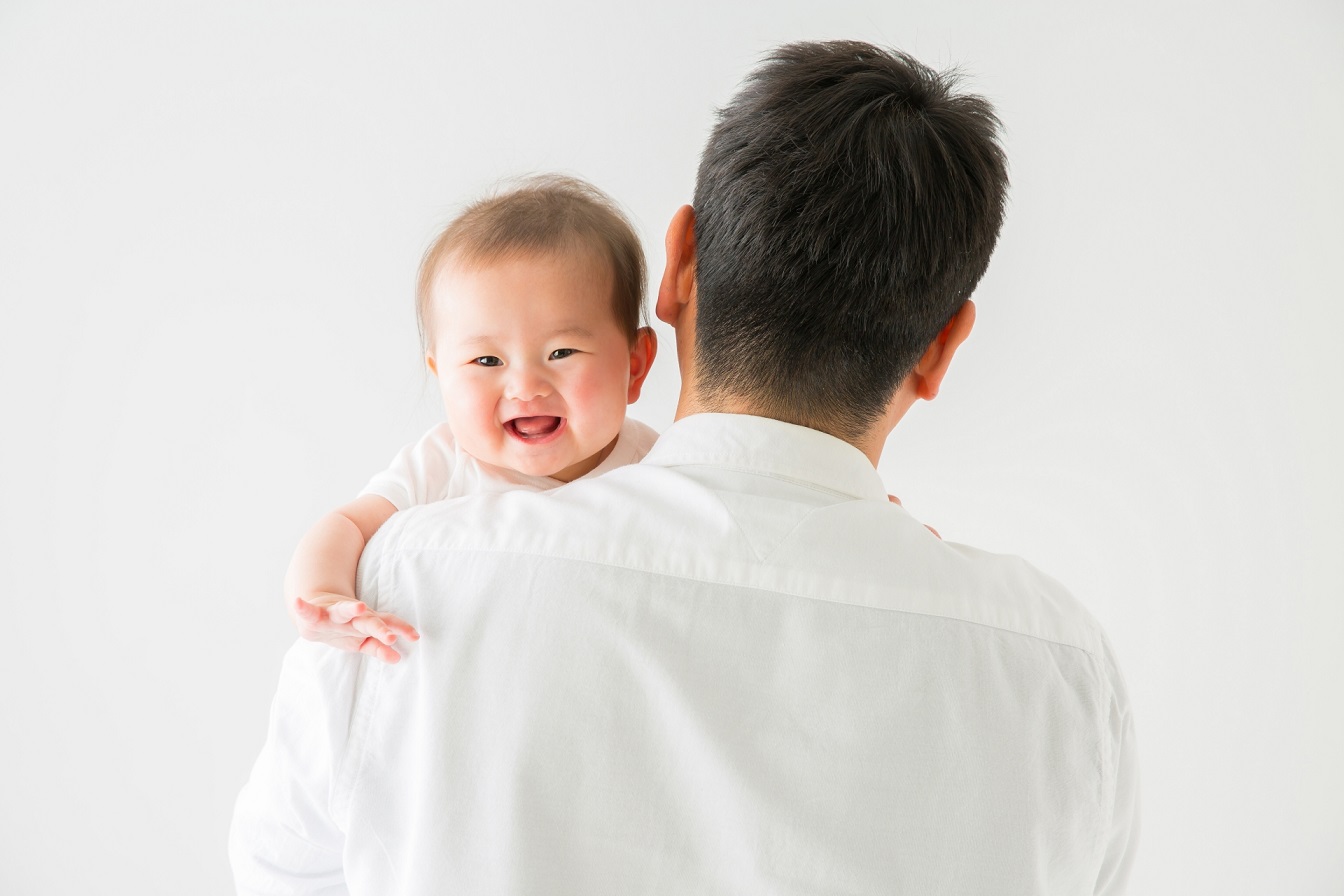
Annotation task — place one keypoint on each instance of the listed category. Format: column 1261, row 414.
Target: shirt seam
column 606, row 565
column 367, row 690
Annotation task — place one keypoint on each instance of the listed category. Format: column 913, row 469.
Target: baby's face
column 534, row 369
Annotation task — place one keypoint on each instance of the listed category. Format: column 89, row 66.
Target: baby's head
column 530, row 305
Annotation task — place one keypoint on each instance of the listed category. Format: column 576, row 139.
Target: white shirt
column 734, row 668
column 437, row 469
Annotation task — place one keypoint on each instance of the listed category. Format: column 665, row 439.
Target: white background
column 210, row 217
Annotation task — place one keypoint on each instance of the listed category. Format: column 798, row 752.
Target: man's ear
column 932, row 367
column 678, row 283
column 642, row 353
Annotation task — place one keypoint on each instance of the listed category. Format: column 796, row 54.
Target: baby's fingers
column 378, row 650
column 342, row 611
column 373, row 626
column 400, row 627
column 306, row 613
column 384, row 626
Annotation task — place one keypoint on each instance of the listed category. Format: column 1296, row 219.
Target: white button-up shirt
column 734, row 668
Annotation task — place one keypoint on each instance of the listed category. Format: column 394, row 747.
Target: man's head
column 846, row 206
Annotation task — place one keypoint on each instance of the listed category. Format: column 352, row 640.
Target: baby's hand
column 350, row 625
column 897, row 501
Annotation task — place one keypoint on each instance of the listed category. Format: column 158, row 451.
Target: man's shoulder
column 887, row 559
column 1017, row 596
column 487, row 519
column 577, row 521
column 655, row 521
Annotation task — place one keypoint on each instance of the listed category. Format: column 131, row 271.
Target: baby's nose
column 527, row 383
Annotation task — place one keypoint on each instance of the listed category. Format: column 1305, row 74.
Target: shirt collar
column 769, row 447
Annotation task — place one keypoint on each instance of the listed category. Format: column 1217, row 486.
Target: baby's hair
column 543, row 213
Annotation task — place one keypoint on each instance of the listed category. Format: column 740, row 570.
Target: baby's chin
column 550, row 465
column 571, row 471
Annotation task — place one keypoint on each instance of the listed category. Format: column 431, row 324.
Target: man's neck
column 692, row 402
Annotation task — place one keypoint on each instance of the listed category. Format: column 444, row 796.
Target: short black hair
column 846, row 206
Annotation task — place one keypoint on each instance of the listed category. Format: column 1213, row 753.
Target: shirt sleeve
column 284, row 839
column 1123, row 839
column 421, row 473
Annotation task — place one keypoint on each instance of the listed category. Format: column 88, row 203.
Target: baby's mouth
column 533, row 429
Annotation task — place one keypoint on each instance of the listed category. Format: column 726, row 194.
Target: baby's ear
column 429, row 362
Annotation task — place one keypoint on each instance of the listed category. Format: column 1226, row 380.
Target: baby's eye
column 562, row 353
column 487, row 361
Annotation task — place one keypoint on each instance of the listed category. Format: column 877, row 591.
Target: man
column 735, row 667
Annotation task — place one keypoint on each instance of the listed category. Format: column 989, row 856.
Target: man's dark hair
column 847, row 204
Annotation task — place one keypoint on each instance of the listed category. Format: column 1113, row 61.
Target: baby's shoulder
column 639, row 437
column 439, row 437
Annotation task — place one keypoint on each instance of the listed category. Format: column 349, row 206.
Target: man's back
column 734, row 668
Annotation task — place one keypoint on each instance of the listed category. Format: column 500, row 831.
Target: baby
column 530, row 309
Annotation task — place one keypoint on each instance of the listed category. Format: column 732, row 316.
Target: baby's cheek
column 594, row 409
column 602, row 392
column 469, row 407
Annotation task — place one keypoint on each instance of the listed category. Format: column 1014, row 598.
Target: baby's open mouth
column 531, row 429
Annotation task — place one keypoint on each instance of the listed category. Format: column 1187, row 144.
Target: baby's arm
column 320, row 583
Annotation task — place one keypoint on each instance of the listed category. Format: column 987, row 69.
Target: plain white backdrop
column 210, row 217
